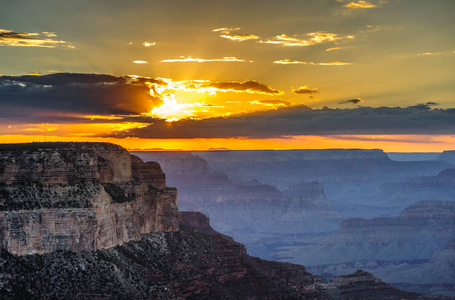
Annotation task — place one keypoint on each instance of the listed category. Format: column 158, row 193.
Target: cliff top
column 59, row 145
column 62, row 175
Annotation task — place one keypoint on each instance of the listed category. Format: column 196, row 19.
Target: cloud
column 68, row 97
column 250, row 86
column 272, row 103
column 332, row 63
column 313, row 38
column 353, row 101
column 359, row 4
column 140, row 62
column 226, row 29
column 332, row 49
column 304, row 120
column 288, row 61
column 305, row 90
column 239, row 37
column 199, row 60
column 226, row 32
column 148, row 44
column 27, row 39
column 448, row 52
column 425, row 106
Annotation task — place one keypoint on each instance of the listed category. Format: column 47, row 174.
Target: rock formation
column 370, row 287
column 79, row 197
column 403, row 250
column 439, row 187
column 448, row 155
column 349, row 176
column 420, row 231
column 434, row 276
column 256, row 214
column 194, row 263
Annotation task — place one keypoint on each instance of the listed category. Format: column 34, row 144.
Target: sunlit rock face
column 79, row 196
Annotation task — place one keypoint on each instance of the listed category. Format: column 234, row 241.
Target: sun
column 172, row 110
column 181, row 99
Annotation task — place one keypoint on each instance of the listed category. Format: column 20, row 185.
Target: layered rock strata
column 79, row 197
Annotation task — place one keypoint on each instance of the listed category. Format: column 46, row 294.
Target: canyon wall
column 79, row 196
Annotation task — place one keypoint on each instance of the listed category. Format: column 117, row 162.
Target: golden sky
column 234, row 74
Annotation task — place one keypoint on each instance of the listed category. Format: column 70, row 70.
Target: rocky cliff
column 194, row 263
column 78, row 197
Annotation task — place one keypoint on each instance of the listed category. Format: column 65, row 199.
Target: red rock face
column 227, row 270
column 79, row 196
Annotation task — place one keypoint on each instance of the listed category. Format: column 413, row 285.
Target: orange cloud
column 226, row 32
column 305, row 90
column 314, row 38
column 288, row 61
column 239, row 37
column 359, row 4
column 271, row 103
column 199, row 60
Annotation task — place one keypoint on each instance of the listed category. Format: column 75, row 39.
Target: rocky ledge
column 78, row 197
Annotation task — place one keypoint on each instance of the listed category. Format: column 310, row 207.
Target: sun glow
column 200, row 99
column 174, row 107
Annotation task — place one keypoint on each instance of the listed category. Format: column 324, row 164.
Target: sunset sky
column 232, row 74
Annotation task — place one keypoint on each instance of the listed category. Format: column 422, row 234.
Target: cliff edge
column 79, row 197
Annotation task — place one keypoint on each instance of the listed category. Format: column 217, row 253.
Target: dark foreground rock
column 188, row 264
column 175, row 265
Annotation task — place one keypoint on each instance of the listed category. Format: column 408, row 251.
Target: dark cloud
column 425, row 106
column 305, row 90
column 303, row 120
column 63, row 79
column 27, row 39
column 249, row 86
column 353, row 101
column 64, row 96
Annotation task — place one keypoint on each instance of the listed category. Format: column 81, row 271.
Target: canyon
column 92, row 221
column 308, row 207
